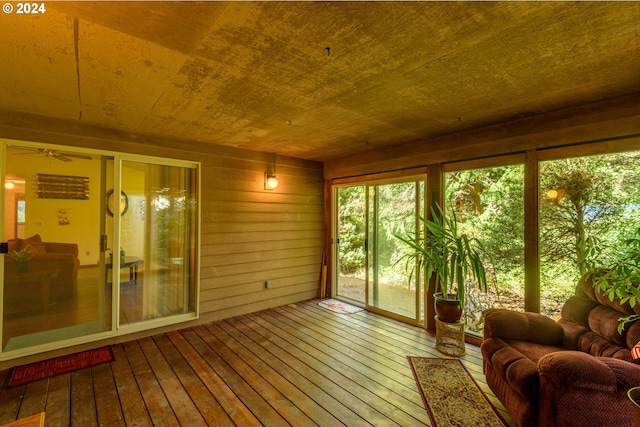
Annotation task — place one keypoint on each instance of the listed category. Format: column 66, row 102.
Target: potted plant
column 454, row 257
column 21, row 257
column 620, row 279
column 122, row 255
column 622, row 276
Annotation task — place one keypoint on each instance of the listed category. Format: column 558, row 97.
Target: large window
column 489, row 204
column 587, row 207
column 545, row 218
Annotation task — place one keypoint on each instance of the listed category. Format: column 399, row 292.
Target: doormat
column 60, row 365
column 450, row 394
column 339, row 306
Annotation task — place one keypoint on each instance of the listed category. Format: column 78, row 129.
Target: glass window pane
column 489, row 204
column 588, row 206
column 393, row 210
column 157, row 242
column 351, row 236
column 53, row 288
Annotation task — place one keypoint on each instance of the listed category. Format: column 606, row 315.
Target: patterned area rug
column 59, row 365
column 450, row 395
column 339, row 306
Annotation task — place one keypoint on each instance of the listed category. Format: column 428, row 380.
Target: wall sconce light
column 9, row 185
column 270, row 181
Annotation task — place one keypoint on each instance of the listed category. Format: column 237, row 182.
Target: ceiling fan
column 65, row 157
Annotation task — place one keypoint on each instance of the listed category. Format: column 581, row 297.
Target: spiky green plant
column 441, row 249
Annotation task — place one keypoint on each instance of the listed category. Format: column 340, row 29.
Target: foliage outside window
column 489, row 205
column 351, row 234
column 392, row 210
column 588, row 208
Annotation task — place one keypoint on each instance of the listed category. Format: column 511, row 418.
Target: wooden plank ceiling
column 311, row 80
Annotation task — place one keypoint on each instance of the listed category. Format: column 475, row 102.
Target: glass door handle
column 103, row 243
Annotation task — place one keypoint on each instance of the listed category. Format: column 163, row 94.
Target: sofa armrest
column 522, row 326
column 581, row 370
column 512, row 367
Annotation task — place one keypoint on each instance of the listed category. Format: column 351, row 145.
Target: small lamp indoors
column 270, row 181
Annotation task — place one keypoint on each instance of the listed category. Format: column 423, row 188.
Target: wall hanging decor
column 62, row 187
column 122, row 206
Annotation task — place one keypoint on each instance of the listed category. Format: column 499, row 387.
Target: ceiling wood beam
column 592, row 122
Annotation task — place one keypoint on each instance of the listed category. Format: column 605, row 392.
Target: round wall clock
column 124, row 203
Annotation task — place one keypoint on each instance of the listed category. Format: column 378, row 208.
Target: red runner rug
column 60, row 365
column 450, row 395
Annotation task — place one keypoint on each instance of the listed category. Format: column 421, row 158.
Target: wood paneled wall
column 248, row 235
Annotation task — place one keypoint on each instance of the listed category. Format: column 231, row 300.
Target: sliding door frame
column 116, row 184
column 410, row 175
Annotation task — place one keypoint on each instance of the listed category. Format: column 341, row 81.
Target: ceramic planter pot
column 448, row 309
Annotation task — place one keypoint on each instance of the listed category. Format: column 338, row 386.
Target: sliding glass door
column 157, row 242
column 369, row 215
column 96, row 243
column 53, row 219
column 393, row 209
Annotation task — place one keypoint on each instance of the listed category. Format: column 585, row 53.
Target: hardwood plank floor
column 296, row 365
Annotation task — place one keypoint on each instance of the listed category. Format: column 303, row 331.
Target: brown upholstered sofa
column 52, row 264
column 574, row 372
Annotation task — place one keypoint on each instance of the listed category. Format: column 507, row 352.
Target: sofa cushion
column 586, row 289
column 534, row 351
column 15, row 244
column 595, row 345
column 36, row 243
column 572, row 334
column 576, row 309
column 604, row 322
